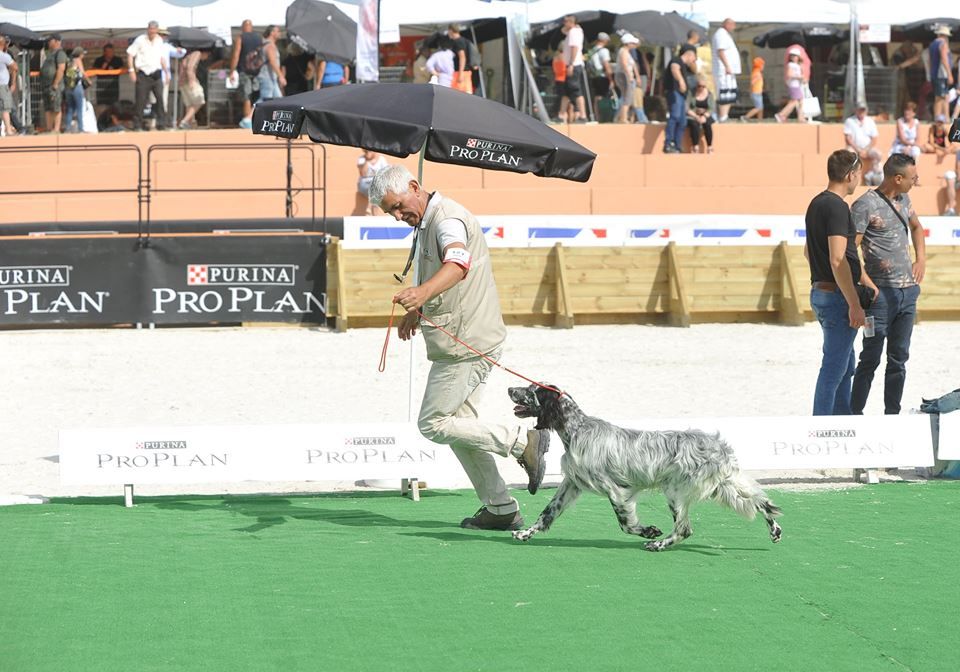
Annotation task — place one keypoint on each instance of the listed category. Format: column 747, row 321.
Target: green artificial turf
column 865, row 579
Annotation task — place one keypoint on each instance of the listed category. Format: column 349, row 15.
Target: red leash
column 386, row 342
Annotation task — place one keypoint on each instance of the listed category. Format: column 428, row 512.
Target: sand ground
column 58, row 379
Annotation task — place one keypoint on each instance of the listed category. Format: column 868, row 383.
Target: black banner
column 83, row 281
column 175, row 280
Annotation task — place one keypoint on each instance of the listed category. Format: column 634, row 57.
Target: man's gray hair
column 395, row 178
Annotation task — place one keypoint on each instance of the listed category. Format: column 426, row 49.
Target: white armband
column 458, row 256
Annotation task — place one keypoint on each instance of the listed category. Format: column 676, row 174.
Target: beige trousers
column 448, row 415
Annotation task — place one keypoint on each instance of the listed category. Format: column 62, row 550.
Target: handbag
column 614, row 96
column 86, row 82
column 810, row 103
column 865, row 295
column 638, row 98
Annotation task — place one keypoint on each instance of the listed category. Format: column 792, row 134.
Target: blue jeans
column 894, row 312
column 832, row 394
column 269, row 84
column 75, row 99
column 677, row 105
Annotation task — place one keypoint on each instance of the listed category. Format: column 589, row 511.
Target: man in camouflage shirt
column 886, row 223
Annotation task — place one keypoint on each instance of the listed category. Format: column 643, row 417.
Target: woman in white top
column 908, row 128
column 369, row 164
column 626, row 75
column 440, row 64
column 794, row 77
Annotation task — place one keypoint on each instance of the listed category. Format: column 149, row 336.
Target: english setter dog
column 688, row 466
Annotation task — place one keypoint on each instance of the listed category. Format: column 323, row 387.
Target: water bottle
column 869, row 327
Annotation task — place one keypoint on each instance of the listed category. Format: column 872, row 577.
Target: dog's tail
column 743, row 495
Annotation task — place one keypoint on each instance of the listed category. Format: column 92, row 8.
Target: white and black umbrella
column 446, row 125
column 664, row 29
column 322, row 29
column 194, row 38
column 22, row 37
column 807, row 34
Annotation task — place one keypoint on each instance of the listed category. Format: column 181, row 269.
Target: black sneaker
column 532, row 459
column 484, row 520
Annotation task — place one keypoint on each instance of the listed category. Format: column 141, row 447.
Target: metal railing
column 291, row 191
column 145, row 190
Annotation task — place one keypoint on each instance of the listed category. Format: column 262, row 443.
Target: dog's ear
column 546, row 393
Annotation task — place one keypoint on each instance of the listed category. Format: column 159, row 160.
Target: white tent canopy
column 134, row 14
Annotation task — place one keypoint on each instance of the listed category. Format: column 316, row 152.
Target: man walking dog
column 454, row 289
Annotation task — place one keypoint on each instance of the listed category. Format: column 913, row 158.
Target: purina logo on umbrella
column 491, row 145
column 280, row 123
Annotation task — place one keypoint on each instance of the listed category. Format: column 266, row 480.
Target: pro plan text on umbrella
column 280, row 123
column 485, row 151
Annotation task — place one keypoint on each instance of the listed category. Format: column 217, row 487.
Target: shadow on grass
column 270, row 511
column 555, row 542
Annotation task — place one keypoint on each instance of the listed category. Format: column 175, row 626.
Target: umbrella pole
column 289, row 178
column 423, row 150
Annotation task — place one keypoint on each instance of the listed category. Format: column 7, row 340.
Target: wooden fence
column 563, row 286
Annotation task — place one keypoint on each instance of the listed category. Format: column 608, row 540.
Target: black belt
column 826, row 286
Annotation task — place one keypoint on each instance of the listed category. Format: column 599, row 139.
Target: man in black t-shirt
column 108, row 86
column 676, row 79
column 460, row 51
column 831, row 249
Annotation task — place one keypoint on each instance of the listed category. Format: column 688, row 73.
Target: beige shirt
column 471, row 308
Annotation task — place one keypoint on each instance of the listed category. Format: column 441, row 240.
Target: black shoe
column 532, row 460
column 484, row 520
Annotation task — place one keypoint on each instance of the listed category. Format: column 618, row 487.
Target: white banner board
column 821, row 442
column 327, row 452
column 949, row 448
column 358, row 451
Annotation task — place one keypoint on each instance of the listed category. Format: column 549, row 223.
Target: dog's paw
column 651, row 532
column 523, row 535
column 654, row 545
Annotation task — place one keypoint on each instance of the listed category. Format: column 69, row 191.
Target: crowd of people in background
column 614, row 79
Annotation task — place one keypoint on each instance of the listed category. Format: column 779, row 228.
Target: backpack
column 594, row 64
column 70, row 76
column 253, row 61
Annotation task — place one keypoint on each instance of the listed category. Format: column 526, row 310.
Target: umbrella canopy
column 22, row 37
column 923, row 30
column 194, row 38
column 548, row 35
column 322, row 29
column 808, row 34
column 659, row 28
column 27, row 5
column 397, row 119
